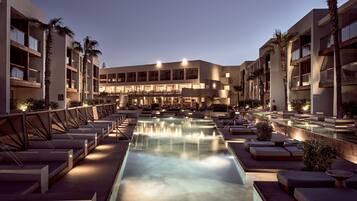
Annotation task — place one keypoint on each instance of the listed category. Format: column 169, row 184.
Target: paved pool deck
column 97, row 172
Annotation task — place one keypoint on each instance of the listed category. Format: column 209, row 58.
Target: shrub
column 264, row 131
column 299, row 104
column 75, row 104
column 318, row 156
column 38, row 105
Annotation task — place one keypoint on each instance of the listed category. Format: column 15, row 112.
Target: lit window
column 226, row 87
column 228, row 75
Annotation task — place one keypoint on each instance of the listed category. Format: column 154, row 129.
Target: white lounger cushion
column 276, row 151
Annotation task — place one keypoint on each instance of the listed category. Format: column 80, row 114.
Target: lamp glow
column 158, row 64
column 184, row 62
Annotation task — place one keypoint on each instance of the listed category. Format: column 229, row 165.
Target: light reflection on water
column 180, row 159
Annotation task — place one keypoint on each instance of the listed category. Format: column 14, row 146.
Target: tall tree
column 333, row 13
column 54, row 26
column 280, row 42
column 90, row 50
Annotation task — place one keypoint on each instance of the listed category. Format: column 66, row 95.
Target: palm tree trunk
column 285, row 96
column 84, row 78
column 48, row 69
column 332, row 4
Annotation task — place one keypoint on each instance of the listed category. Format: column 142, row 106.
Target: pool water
column 180, row 159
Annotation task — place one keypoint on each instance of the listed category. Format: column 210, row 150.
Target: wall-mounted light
column 214, row 85
column 184, row 62
column 158, row 64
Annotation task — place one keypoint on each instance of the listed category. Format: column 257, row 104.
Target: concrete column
column 4, row 57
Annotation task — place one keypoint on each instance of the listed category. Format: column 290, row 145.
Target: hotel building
column 21, row 53
column 67, row 67
column 310, row 62
column 177, row 83
column 22, row 61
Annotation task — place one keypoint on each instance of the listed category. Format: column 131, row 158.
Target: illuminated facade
column 178, row 83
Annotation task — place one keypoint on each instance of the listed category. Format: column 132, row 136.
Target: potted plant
column 264, row 131
column 318, row 156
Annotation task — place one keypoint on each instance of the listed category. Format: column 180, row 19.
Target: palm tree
column 332, row 7
column 238, row 89
column 53, row 26
column 280, row 42
column 89, row 51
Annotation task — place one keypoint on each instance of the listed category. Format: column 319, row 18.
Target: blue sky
column 132, row 32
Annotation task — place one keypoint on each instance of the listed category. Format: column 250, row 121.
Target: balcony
column 22, row 77
column 349, row 32
column 71, row 85
column 349, row 76
column 18, row 40
column 306, row 50
column 348, row 39
column 298, row 84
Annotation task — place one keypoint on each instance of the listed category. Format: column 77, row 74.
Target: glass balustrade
column 17, row 73
column 33, row 43
column 306, row 50
column 348, row 32
column 295, row 54
column 17, row 35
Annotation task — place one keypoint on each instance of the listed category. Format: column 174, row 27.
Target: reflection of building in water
column 177, row 137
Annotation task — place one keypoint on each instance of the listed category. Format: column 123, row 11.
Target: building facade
column 177, row 83
column 310, row 64
column 21, row 54
column 22, row 61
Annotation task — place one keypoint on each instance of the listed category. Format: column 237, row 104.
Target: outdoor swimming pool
column 180, row 159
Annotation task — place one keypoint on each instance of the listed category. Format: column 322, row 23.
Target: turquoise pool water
column 180, row 159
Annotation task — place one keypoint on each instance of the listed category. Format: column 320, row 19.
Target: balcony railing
column 33, row 43
column 349, row 75
column 17, row 35
column 34, row 75
column 306, row 50
column 17, row 72
column 305, row 81
column 348, row 32
column 326, row 42
column 295, row 82
column 71, row 84
column 295, row 55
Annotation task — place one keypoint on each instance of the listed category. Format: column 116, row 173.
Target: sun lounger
column 23, row 180
column 276, row 153
column 80, row 147
column 58, row 161
column 289, row 180
column 92, row 138
column 325, row 194
column 64, row 196
column 270, row 143
column 242, row 131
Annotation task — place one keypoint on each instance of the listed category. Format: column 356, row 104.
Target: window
column 111, row 78
column 165, row 74
column 131, row 77
column 191, row 73
column 153, row 75
column 178, row 74
column 228, row 75
column 121, row 77
column 103, row 78
column 142, row 76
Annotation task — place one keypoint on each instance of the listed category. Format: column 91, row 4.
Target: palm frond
column 64, row 30
column 77, row 46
